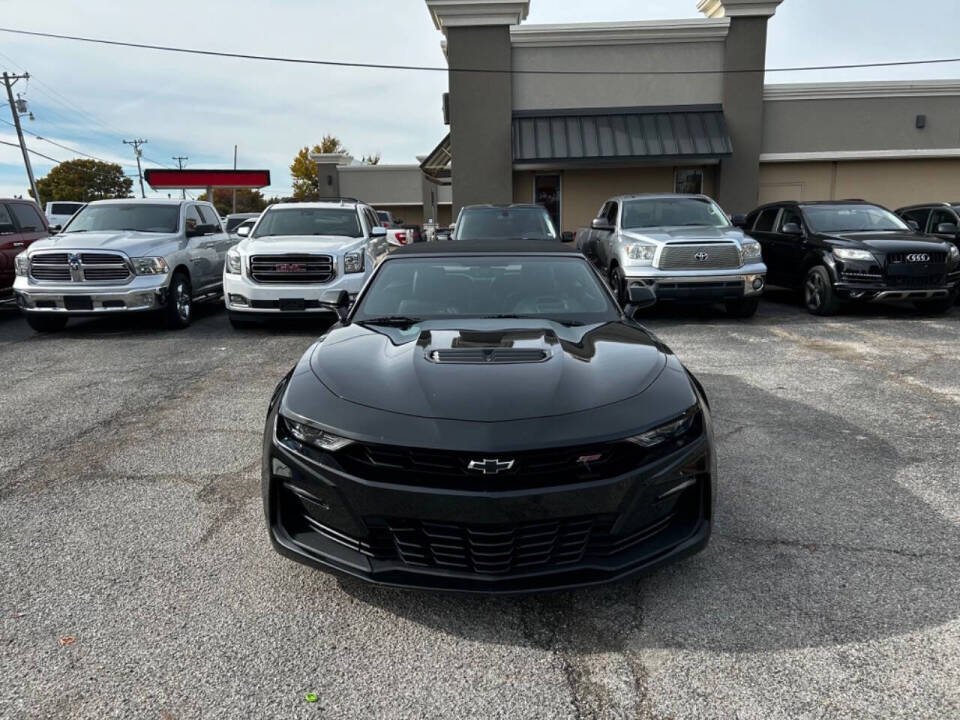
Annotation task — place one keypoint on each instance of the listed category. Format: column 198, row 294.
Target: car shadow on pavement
column 815, row 544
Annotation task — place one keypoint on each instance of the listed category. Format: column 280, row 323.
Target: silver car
column 683, row 247
column 124, row 256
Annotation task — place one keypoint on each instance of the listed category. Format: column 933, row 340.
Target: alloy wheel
column 814, row 291
column 183, row 301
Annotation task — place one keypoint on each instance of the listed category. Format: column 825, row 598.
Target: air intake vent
column 481, row 356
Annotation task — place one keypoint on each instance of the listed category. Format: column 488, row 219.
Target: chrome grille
column 292, row 269
column 719, row 256
column 90, row 267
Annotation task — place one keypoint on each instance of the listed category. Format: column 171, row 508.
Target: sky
column 90, row 97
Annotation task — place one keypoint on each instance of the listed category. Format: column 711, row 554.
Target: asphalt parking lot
column 131, row 521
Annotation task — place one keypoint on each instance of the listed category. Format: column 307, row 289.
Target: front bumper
column 142, row 293
column 922, row 283
column 247, row 298
column 432, row 537
column 701, row 286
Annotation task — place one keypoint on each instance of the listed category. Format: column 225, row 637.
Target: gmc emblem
column 290, row 267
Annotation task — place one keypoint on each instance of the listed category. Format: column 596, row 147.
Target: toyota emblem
column 701, row 256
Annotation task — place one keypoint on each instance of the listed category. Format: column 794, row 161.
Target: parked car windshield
column 493, row 223
column 852, row 218
column 310, row 221
column 564, row 289
column 139, row 217
column 64, row 208
column 672, row 212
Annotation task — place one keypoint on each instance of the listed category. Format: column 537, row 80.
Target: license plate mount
column 293, row 304
column 78, row 302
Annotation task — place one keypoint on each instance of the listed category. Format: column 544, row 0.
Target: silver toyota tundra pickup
column 683, row 247
column 124, row 256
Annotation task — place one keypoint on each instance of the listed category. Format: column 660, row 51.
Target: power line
column 138, row 153
column 33, row 152
column 495, row 71
column 60, row 145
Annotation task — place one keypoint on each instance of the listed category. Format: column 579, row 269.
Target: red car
column 21, row 222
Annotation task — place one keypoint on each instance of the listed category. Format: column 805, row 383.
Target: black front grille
column 101, row 259
column 276, row 304
column 916, row 281
column 95, row 274
column 50, row 259
column 508, row 548
column 292, row 269
column 902, row 258
column 52, row 272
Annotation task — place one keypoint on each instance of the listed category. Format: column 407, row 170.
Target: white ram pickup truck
column 683, row 247
column 296, row 254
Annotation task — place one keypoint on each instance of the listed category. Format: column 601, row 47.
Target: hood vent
column 481, row 356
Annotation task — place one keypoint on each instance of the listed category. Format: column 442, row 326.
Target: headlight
column 954, row 253
column 22, row 263
column 667, row 431
column 752, row 250
column 641, row 253
column 310, row 435
column 353, row 262
column 150, row 266
column 848, row 254
column 233, row 264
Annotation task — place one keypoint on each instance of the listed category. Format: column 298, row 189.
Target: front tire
column 743, row 309
column 818, row 293
column 46, row 323
column 618, row 283
column 179, row 311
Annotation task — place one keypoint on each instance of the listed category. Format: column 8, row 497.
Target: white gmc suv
column 298, row 253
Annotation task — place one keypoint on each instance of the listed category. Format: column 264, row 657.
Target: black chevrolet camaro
column 487, row 419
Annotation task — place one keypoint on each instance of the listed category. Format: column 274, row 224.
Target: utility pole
column 138, row 152
column 9, row 81
column 181, row 159
column 234, row 167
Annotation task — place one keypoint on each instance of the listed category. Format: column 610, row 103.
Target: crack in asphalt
column 840, row 547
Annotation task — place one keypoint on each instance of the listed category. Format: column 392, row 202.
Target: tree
column 373, row 159
column 303, row 171
column 84, row 180
column 248, row 200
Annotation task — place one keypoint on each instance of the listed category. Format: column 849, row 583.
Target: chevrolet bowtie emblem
column 491, row 466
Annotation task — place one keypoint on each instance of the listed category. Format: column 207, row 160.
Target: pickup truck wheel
column 618, row 283
column 179, row 310
column 743, row 309
column 46, row 323
column 818, row 294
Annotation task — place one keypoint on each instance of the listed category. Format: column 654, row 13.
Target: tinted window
column 63, row 208
column 668, row 212
column 766, row 220
column 310, row 221
column 918, row 216
column 490, row 223
column 27, row 217
column 940, row 216
column 790, row 215
column 372, row 219
column 852, row 218
column 563, row 288
column 142, row 217
column 384, row 217
column 209, row 216
column 192, row 218
column 234, row 222
column 6, row 222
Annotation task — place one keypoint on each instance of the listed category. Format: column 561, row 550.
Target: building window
column 688, row 181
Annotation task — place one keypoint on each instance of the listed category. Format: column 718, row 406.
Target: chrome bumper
column 753, row 278
column 143, row 293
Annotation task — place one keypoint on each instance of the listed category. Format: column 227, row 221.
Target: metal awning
column 437, row 165
column 620, row 135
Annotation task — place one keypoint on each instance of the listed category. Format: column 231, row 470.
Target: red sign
column 177, row 179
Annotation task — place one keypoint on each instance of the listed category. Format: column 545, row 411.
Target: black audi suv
column 486, row 418
column 853, row 251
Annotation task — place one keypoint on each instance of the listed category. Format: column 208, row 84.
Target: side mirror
column 792, row 229
column 914, row 225
column 339, row 300
column 378, row 232
column 198, row 230
column 244, row 230
column 947, row 228
column 601, row 224
column 640, row 297
column 568, row 236
column 55, row 228
column 739, row 220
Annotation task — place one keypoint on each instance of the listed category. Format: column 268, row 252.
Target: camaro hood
column 134, row 244
column 686, row 233
column 892, row 241
column 438, row 370
column 299, row 244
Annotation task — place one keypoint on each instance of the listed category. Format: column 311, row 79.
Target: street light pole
column 138, row 152
column 181, row 159
column 234, row 190
column 9, row 81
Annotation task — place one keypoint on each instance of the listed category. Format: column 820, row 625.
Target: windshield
column 139, row 217
column 852, row 218
column 526, row 223
column 564, row 289
column 310, row 221
column 672, row 212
